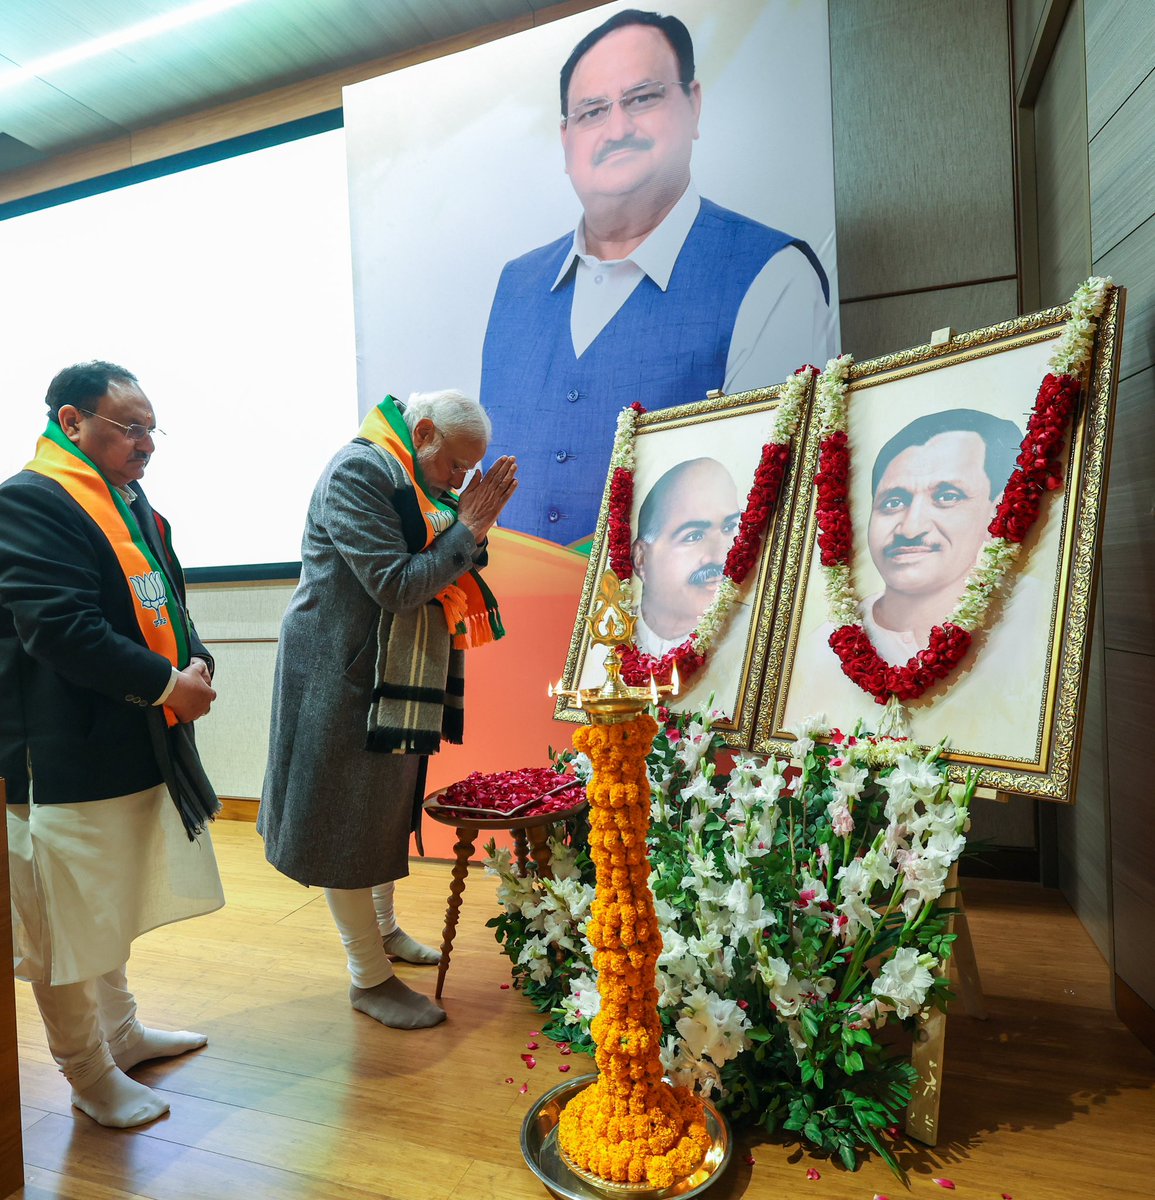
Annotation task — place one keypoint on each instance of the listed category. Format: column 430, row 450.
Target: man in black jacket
column 101, row 675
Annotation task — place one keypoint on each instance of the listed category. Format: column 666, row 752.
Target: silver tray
column 544, row 1158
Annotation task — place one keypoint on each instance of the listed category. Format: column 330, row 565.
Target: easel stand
column 930, row 1037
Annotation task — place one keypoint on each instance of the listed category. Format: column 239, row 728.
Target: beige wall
column 239, row 623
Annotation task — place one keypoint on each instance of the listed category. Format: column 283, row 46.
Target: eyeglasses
column 134, row 432
column 640, row 99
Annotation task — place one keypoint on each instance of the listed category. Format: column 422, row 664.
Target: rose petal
column 505, row 987
column 750, row 1160
column 509, row 1079
column 563, row 1067
column 1007, row 1196
column 565, row 1048
column 531, row 1045
column 880, row 1196
column 523, row 1089
column 811, row 1173
column 531, row 1062
column 945, row 1183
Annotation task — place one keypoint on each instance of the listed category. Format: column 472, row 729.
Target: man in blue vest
column 658, row 296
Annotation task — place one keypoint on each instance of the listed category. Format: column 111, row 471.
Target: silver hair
column 454, row 413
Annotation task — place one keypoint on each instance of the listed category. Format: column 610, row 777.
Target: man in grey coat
column 389, row 552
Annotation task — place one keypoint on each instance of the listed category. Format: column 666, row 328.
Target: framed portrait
column 933, row 435
column 693, row 470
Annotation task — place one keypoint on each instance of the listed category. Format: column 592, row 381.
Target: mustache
column 901, row 542
column 706, row 574
column 629, row 142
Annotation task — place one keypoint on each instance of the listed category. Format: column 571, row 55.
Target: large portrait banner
column 933, row 436
column 618, row 206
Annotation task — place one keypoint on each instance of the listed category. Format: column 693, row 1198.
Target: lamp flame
column 653, row 689
column 674, row 683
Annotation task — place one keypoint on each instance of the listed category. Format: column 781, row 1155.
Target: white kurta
column 87, row 879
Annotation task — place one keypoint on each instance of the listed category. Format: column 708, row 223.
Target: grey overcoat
column 334, row 814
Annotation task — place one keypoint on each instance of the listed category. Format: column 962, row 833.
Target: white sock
column 399, row 944
column 118, row 1102
column 156, row 1043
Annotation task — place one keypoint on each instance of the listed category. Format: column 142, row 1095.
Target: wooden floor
column 297, row 1097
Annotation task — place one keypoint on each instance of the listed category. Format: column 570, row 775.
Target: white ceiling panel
column 226, row 56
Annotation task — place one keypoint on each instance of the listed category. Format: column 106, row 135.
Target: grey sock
column 395, row 1005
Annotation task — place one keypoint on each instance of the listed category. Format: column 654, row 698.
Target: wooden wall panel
column 1132, row 265
column 1119, row 54
column 1083, row 839
column 1130, row 719
column 1063, row 215
column 873, row 327
column 1122, row 181
column 1026, row 26
column 1129, row 535
column 922, row 144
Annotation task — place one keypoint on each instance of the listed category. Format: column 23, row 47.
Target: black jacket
column 77, row 680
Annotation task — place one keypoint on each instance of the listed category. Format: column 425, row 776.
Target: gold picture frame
column 727, row 430
column 1014, row 709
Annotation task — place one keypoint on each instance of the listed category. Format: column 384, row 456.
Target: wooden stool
column 530, row 839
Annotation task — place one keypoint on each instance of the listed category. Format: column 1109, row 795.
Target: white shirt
column 782, row 322
column 650, row 643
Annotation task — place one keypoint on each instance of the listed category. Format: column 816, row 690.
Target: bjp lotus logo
column 150, row 592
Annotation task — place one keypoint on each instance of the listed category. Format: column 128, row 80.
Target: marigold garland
column 1038, row 471
column 638, row 667
column 629, row 1126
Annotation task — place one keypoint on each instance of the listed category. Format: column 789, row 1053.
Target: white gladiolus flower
column 817, row 725
column 904, row 980
column 841, row 820
column 535, row 958
column 712, row 1026
column 583, row 1002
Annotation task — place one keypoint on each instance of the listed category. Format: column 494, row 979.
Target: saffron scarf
column 158, row 611
column 470, row 607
